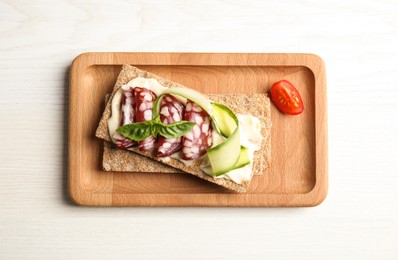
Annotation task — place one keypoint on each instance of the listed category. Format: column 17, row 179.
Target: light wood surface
column 356, row 39
column 298, row 176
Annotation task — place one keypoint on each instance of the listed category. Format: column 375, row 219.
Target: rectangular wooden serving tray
column 299, row 168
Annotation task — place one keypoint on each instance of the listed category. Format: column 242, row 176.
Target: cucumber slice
column 224, row 118
column 244, row 158
column 225, row 156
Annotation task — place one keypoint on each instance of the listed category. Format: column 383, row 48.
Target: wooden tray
column 298, row 175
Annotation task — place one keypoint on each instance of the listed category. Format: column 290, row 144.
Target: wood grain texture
column 356, row 39
column 298, row 177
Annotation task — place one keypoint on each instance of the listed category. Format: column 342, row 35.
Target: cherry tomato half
column 287, row 98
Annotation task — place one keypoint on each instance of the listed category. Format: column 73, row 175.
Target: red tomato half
column 287, row 98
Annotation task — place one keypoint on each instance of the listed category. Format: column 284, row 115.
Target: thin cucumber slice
column 244, row 158
column 224, row 118
column 225, row 156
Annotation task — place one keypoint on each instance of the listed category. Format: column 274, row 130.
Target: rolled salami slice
column 171, row 111
column 127, row 117
column 195, row 142
column 144, row 103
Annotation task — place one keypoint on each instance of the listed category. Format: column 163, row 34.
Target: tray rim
column 313, row 62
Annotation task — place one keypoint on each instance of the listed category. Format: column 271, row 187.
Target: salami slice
column 127, row 117
column 171, row 110
column 123, row 142
column 128, row 107
column 195, row 142
column 144, row 103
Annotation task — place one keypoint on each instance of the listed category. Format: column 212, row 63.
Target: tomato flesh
column 287, row 98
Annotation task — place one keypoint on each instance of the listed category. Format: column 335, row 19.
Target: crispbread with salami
column 122, row 160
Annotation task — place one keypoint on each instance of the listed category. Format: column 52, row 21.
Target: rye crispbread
column 120, row 160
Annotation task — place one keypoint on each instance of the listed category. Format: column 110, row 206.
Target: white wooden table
column 358, row 41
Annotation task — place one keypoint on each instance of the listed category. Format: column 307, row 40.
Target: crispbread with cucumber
column 184, row 129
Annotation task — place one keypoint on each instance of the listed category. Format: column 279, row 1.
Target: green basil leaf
column 142, row 130
column 176, row 129
column 156, row 120
column 156, row 124
column 155, row 129
column 136, row 131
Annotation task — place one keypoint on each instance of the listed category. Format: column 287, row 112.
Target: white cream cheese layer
column 250, row 137
column 114, row 120
column 151, row 84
